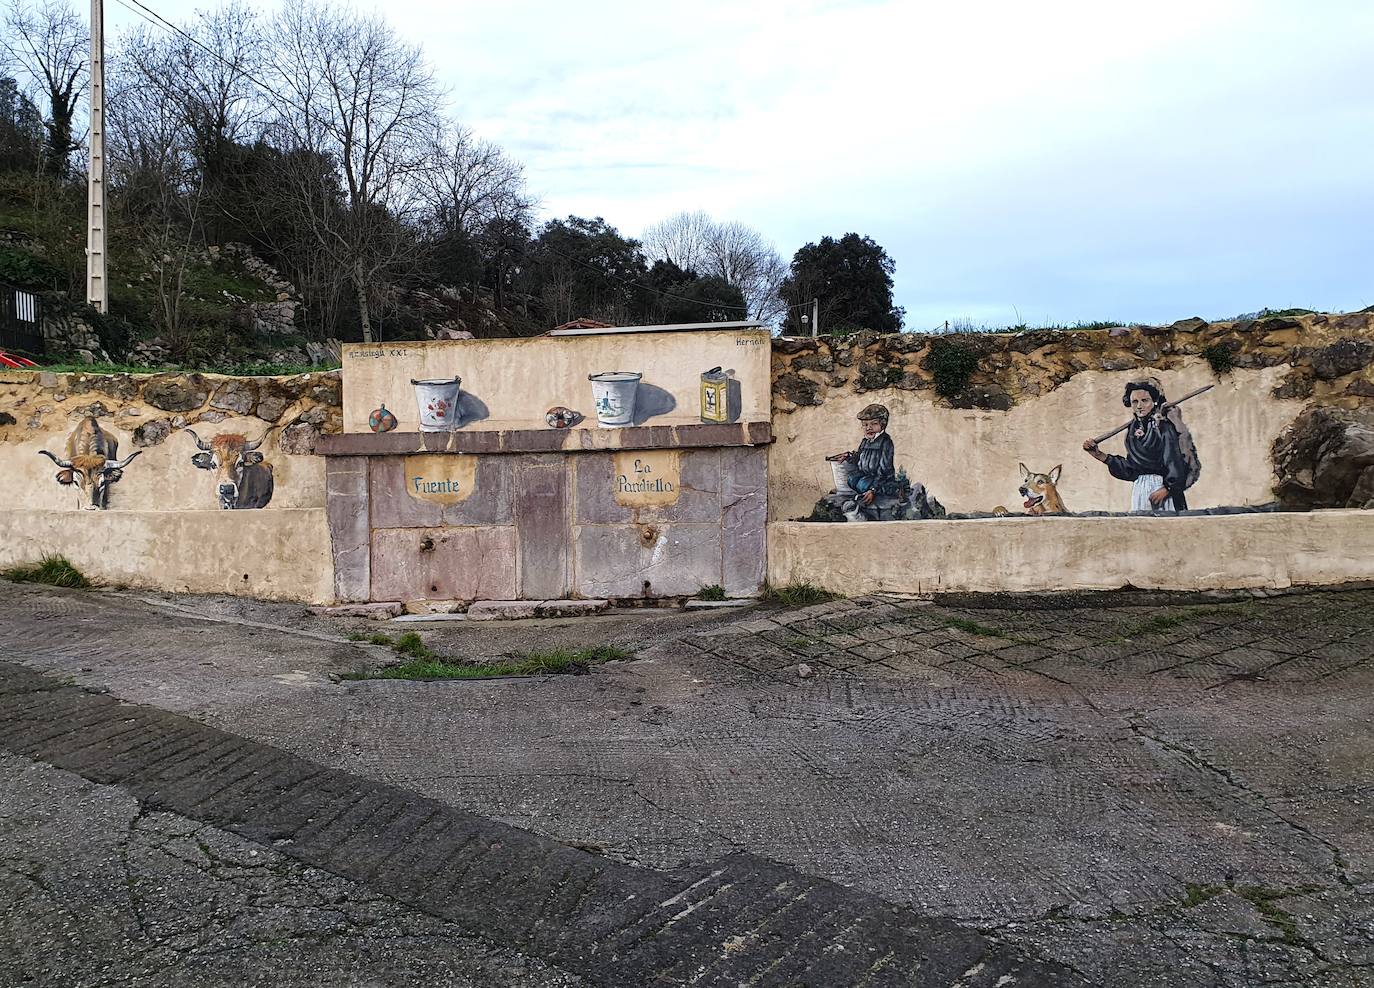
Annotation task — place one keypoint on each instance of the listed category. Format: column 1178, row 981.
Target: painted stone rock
column 559, row 417
column 381, row 420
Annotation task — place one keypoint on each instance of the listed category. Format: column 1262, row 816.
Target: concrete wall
column 164, row 528
column 511, row 383
column 146, row 413
column 1026, row 554
column 278, row 554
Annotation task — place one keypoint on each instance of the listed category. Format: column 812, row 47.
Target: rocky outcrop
column 1325, row 459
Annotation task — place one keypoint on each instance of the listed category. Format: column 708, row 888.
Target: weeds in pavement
column 713, row 591
column 1164, row 622
column 797, row 595
column 426, row 664
column 1198, row 894
column 55, row 571
column 974, row 628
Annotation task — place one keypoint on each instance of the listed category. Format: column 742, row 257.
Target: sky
column 1044, row 163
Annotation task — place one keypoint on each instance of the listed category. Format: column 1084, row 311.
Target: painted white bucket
column 438, row 401
column 840, row 468
column 613, row 394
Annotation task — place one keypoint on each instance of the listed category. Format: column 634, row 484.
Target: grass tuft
column 55, row 571
column 798, row 595
column 974, row 628
column 712, row 591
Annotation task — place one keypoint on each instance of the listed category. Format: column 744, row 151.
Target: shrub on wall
column 951, row 364
column 1221, row 358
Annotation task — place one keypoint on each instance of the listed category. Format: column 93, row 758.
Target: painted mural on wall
column 92, row 465
column 868, row 484
column 243, row 480
column 1161, row 461
column 624, row 398
column 618, row 379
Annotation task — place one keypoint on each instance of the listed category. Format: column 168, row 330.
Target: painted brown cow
column 91, row 463
column 244, row 480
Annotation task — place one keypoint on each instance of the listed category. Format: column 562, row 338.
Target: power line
column 157, row 20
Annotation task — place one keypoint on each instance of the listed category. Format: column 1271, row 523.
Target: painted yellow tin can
column 715, row 396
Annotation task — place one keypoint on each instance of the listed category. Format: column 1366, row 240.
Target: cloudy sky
column 1038, row 162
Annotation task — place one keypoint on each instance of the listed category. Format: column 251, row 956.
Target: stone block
column 443, row 563
column 646, row 560
column 542, row 522
column 427, row 618
column 376, row 611
column 595, row 501
column 744, row 520
column 502, row 610
column 489, row 503
column 698, row 494
column 346, row 475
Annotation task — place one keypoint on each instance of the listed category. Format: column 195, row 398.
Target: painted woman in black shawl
column 1153, row 462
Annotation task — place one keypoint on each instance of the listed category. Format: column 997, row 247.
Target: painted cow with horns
column 244, row 480
column 91, row 464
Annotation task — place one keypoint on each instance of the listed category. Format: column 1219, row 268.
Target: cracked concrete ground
column 98, row 891
column 1149, row 789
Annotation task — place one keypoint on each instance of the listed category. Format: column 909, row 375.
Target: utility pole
column 815, row 317
column 95, row 194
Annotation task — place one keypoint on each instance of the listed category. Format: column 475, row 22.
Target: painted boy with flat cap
column 872, row 472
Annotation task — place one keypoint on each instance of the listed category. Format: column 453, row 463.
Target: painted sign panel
column 646, row 478
column 441, row 479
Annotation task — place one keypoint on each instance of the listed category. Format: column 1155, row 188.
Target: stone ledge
column 546, row 440
column 514, row 610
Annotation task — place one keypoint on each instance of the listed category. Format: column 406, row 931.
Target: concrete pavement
column 1144, row 789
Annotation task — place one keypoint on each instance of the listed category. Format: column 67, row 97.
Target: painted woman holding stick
column 1155, row 460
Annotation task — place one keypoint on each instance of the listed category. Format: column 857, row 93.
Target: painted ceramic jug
column 381, row 420
column 438, row 401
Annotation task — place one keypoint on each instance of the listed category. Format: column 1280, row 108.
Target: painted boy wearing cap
column 872, row 471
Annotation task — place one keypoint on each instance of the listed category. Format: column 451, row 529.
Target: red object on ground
column 15, row 361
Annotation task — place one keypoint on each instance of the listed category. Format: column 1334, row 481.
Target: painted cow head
column 92, row 474
column 237, row 466
column 91, row 464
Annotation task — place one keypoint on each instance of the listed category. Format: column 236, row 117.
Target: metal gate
column 21, row 321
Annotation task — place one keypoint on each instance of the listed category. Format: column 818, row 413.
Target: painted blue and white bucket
column 438, row 401
column 613, row 394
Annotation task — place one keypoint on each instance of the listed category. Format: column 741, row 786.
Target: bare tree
column 349, row 88
column 737, row 253
column 212, row 96
column 682, row 239
column 48, row 45
column 469, row 182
